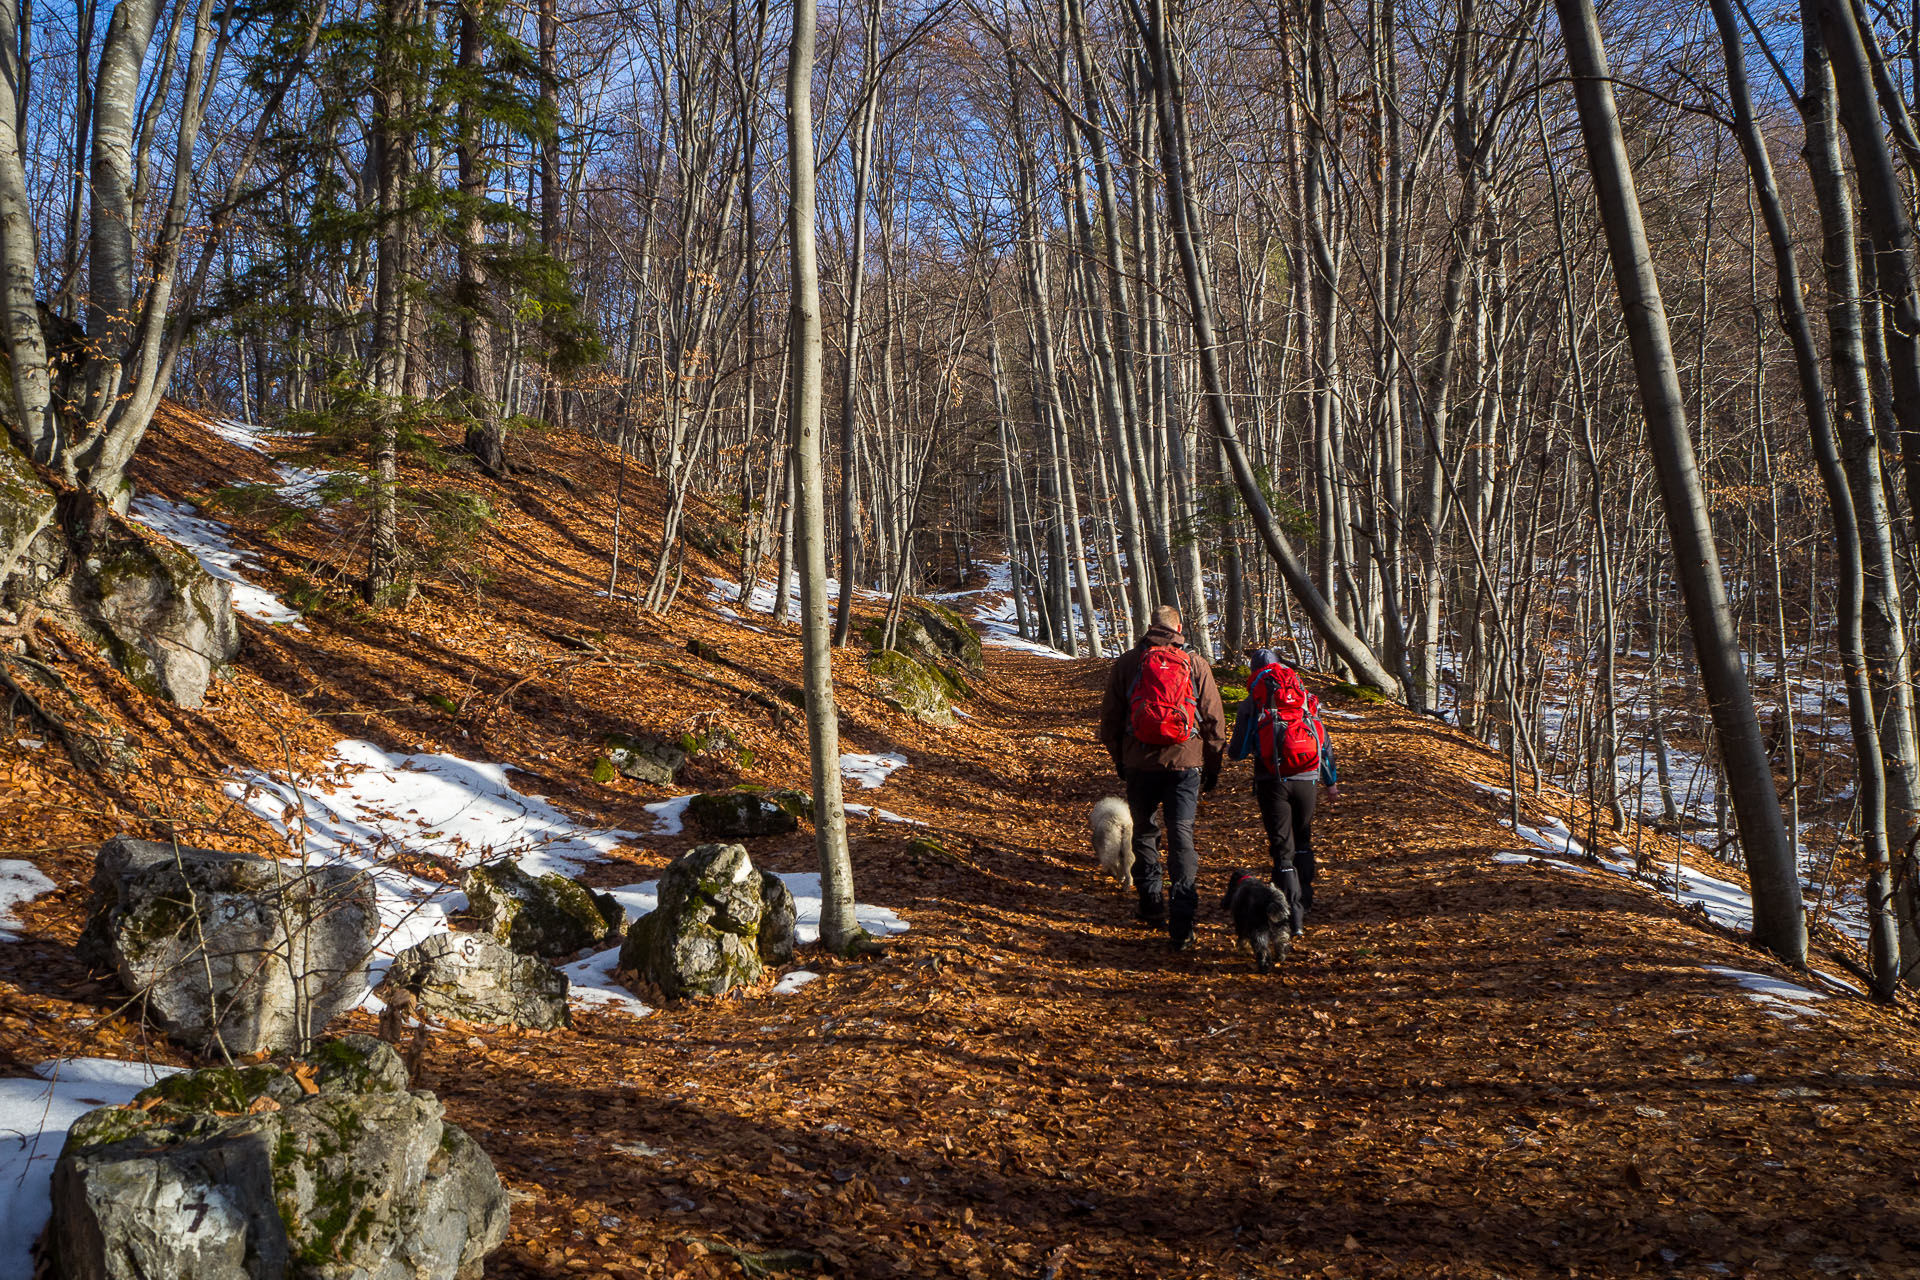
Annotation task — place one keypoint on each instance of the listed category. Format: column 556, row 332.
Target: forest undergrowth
column 1476, row 1063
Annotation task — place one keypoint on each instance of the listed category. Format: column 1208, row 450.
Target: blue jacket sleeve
column 1241, row 745
column 1329, row 775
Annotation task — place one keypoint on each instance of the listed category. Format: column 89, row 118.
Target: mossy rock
column 749, row 811
column 705, row 937
column 164, row 621
column 545, row 915
column 472, row 977
column 326, row 1166
column 923, row 692
column 950, row 634
column 643, row 758
column 1360, row 693
column 779, row 921
column 193, row 933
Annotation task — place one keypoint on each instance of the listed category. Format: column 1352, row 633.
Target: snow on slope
column 368, row 805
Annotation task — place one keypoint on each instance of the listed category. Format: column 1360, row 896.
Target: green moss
column 1360, row 693
column 443, row 703
column 603, row 770
column 350, row 1060
column 210, row 1089
column 108, row 1125
column 925, row 693
column 159, row 921
column 1232, row 695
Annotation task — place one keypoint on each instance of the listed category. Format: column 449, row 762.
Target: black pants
column 1176, row 793
column 1286, row 806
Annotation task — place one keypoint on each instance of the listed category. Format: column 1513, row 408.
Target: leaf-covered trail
column 1466, row 1068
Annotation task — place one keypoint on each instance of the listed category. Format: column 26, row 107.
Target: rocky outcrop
column 544, row 915
column 644, row 758
column 159, row 617
column 718, row 924
column 924, row 692
column 937, row 635
column 330, row 1168
column 229, row 949
column 778, row 920
column 471, row 977
column 746, row 811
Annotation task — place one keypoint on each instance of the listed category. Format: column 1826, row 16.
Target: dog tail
column 1279, row 910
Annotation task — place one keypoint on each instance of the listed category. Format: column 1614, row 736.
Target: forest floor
column 1476, row 1063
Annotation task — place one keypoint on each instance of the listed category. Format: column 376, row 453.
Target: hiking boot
column 1288, row 882
column 1180, row 933
column 1152, row 912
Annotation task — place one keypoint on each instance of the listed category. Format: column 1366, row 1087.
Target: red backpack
column 1164, row 711
column 1289, row 724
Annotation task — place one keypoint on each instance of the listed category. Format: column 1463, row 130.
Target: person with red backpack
column 1163, row 723
column 1279, row 726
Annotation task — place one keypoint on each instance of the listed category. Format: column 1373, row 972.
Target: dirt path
column 1467, row 1069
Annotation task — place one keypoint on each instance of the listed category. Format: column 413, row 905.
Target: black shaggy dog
column 1261, row 917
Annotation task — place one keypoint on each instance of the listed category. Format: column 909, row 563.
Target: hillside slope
column 1477, row 1063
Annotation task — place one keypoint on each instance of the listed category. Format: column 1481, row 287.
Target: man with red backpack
column 1163, row 723
column 1279, row 726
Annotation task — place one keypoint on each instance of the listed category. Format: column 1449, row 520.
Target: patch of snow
column 33, row 744
column 997, row 615
column 870, row 771
column 35, row 1114
column 298, row 485
column 1834, row 980
column 722, row 592
column 1725, row 902
column 669, row 816
column 1784, row 1000
column 735, row 618
column 105, row 1071
column 793, row 982
column 368, row 805
column 591, row 984
column 805, row 886
column 882, row 815
column 1340, row 715
column 212, row 545
column 20, row 883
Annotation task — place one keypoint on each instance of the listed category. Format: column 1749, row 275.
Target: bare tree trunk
column 39, row 433
column 1779, row 921
column 868, row 109
column 839, row 931
column 1869, row 621
column 1178, row 169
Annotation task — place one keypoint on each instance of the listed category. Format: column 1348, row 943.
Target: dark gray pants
column 1176, row 794
column 1286, row 807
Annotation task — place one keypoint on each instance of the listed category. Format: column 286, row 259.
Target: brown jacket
column 1202, row 751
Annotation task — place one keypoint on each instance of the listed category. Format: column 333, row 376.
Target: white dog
column 1111, row 825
